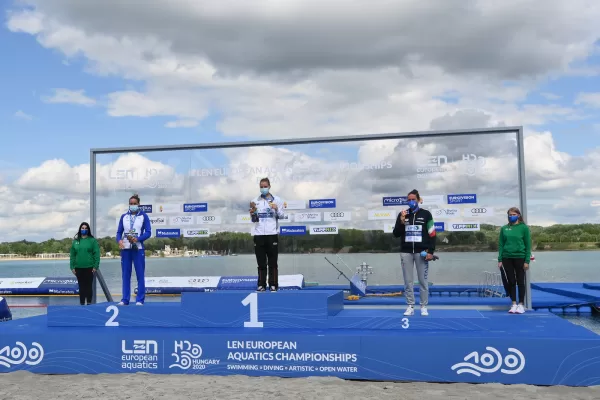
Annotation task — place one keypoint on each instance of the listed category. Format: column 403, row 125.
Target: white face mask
column 264, row 191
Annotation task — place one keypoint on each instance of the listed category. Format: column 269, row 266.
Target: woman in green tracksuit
column 514, row 255
column 85, row 261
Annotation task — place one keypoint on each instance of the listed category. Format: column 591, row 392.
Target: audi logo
column 198, row 280
column 478, row 210
column 208, row 218
column 336, row 214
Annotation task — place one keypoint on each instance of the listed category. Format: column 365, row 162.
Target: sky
column 105, row 73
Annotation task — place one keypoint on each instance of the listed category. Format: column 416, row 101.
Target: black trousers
column 266, row 250
column 85, row 278
column 513, row 275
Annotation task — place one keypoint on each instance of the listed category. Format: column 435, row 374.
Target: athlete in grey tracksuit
column 416, row 229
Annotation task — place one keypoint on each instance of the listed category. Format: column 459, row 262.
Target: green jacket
column 515, row 242
column 85, row 253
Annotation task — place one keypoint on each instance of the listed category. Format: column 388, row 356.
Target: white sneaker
column 121, row 304
column 520, row 309
column 139, row 303
column 410, row 311
column 424, row 311
column 513, row 309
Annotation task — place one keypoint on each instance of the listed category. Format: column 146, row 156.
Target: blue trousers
column 137, row 257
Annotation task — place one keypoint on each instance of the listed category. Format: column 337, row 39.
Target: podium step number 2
column 251, row 300
column 115, row 312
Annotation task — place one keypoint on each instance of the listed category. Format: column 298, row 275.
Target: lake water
column 452, row 268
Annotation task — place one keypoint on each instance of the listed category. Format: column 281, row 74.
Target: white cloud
column 163, row 103
column 66, row 96
column 551, row 96
column 23, row 115
column 590, row 99
column 312, row 69
column 286, row 80
column 182, row 123
column 52, row 199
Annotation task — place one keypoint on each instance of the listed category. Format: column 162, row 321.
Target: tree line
column 557, row 237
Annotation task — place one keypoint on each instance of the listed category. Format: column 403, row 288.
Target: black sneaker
column 273, row 289
column 261, row 289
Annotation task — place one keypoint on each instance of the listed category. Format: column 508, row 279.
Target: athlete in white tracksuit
column 266, row 212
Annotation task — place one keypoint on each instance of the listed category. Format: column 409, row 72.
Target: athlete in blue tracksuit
column 134, row 228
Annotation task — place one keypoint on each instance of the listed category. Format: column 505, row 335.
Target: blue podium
column 298, row 334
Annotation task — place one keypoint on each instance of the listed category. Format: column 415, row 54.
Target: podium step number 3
column 251, row 300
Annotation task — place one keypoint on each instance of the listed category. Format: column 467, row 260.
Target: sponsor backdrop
column 333, row 191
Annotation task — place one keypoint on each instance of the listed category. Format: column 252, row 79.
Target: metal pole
column 98, row 277
column 523, row 205
column 93, row 211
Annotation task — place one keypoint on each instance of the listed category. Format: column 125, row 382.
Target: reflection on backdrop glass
column 341, row 198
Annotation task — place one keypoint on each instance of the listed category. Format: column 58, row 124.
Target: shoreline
column 67, row 258
column 281, row 253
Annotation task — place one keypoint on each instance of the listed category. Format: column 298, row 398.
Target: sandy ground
column 27, row 386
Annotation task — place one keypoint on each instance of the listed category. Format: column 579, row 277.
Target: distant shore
column 67, row 258
column 440, row 250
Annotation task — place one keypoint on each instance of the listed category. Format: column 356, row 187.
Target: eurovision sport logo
column 322, row 203
column 147, row 208
column 462, row 198
column 195, row 207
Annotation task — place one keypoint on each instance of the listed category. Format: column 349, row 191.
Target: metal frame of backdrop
column 518, row 131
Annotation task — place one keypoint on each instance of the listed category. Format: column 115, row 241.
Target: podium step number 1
column 251, row 299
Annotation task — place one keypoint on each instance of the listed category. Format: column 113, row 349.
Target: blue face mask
column 133, row 208
column 264, row 191
column 84, row 232
column 412, row 204
column 513, row 218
